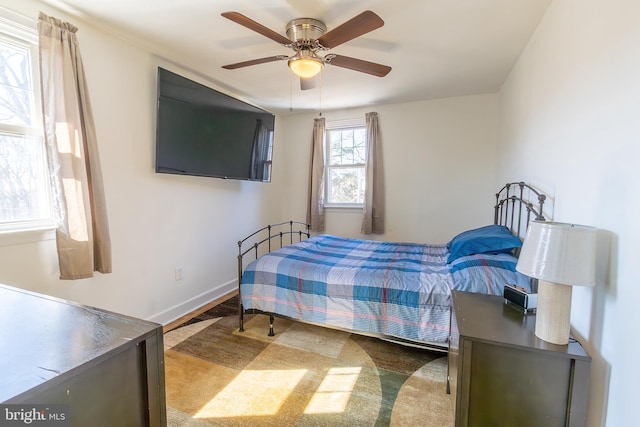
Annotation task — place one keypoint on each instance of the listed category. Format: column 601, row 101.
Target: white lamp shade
column 559, row 253
column 305, row 66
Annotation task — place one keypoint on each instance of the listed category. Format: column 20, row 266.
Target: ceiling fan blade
column 255, row 62
column 249, row 23
column 372, row 68
column 309, row 83
column 355, row 27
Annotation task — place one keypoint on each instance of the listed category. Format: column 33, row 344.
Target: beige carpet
column 304, row 376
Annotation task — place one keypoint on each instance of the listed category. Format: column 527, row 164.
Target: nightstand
column 501, row 374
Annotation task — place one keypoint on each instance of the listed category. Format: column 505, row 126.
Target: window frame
column 21, row 31
column 341, row 125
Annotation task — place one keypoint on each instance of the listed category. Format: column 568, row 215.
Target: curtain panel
column 82, row 236
column 315, row 202
column 373, row 211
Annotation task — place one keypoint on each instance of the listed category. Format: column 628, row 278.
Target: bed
column 393, row 290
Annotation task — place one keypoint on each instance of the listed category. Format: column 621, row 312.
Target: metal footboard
column 260, row 242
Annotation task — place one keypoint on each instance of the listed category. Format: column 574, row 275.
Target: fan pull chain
column 320, row 112
column 290, row 92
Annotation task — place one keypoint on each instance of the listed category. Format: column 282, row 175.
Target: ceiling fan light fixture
column 307, row 36
column 305, row 64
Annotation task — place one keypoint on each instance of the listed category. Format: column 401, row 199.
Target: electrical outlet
column 179, row 272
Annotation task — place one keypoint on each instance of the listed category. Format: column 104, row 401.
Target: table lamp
column 560, row 256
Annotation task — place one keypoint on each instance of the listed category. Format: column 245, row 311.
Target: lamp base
column 554, row 312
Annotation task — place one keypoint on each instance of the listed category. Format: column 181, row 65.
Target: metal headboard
column 509, row 207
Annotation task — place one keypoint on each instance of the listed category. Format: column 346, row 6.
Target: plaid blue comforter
column 390, row 288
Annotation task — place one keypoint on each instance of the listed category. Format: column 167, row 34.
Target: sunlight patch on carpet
column 237, row 399
column 175, row 337
column 334, row 392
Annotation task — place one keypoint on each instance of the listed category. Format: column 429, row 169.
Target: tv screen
column 203, row 132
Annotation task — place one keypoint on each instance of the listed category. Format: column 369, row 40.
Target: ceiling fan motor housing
column 305, row 30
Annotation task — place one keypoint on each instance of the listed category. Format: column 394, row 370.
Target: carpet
column 304, row 376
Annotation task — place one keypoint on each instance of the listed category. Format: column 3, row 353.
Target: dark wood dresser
column 501, row 374
column 105, row 368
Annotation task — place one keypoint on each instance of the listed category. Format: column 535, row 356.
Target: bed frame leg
column 271, row 333
column 241, row 318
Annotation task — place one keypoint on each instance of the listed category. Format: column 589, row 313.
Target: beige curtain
column 315, row 204
column 373, row 212
column 82, row 236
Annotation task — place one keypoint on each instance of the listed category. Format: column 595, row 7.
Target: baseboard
column 181, row 320
column 193, row 304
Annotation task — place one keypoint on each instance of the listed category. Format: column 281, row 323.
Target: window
column 24, row 188
column 345, row 165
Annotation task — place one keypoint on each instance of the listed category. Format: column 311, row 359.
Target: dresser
column 97, row 368
column 501, row 374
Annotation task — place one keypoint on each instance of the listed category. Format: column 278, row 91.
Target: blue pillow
column 488, row 239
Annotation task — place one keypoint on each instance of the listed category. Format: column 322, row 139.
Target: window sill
column 29, row 234
column 354, row 208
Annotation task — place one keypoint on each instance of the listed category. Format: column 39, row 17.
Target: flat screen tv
column 203, row 132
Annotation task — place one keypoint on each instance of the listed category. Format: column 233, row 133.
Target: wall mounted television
column 203, row 132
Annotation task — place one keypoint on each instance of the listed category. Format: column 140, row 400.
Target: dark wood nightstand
column 501, row 374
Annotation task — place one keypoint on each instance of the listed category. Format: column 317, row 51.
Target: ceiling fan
column 307, row 37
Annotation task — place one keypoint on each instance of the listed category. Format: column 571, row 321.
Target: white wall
column 158, row 222
column 570, row 122
column 439, row 158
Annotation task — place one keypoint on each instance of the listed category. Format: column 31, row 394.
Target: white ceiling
column 437, row 48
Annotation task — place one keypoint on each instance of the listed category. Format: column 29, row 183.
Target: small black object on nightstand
column 518, row 298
